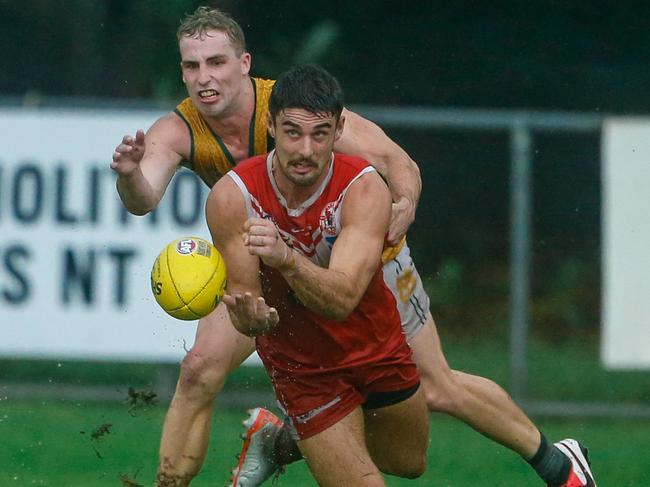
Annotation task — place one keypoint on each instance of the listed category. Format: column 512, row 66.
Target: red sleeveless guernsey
column 305, row 343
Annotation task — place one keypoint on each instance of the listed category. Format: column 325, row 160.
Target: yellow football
column 188, row 278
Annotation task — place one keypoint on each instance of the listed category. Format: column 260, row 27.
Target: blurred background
column 504, row 107
column 544, row 55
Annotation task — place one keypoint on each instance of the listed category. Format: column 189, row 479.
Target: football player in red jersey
column 307, row 218
column 314, row 224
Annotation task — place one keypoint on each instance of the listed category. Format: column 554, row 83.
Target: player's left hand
column 251, row 316
column 263, row 239
column 403, row 214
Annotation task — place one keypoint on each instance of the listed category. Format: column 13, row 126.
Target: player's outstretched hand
column 403, row 214
column 128, row 154
column 251, row 316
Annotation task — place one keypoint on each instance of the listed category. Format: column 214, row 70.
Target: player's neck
column 294, row 195
column 234, row 123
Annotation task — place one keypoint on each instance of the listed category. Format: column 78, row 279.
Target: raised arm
column 335, row 291
column 146, row 163
column 363, row 138
column 226, row 216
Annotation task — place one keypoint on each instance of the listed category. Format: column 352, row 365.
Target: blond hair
column 205, row 19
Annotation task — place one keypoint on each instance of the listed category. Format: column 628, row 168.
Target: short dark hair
column 204, row 19
column 309, row 87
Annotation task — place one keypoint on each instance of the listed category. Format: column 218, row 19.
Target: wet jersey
column 209, row 157
column 305, row 342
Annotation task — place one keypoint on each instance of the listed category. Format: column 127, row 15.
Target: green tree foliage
column 545, row 54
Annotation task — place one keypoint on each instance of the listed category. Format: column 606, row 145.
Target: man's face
column 303, row 144
column 212, row 72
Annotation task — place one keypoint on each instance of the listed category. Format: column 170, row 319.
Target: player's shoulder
column 186, row 113
column 263, row 82
column 247, row 172
column 171, row 131
column 354, row 163
column 252, row 165
column 354, row 169
column 171, row 120
column 185, row 105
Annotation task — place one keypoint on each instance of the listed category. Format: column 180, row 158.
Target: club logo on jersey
column 406, row 283
column 186, row 247
column 327, row 220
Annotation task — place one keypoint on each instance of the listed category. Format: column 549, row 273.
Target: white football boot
column 255, row 460
column 580, row 475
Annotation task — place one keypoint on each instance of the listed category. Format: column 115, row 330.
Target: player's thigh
column 435, row 375
column 397, row 436
column 404, row 281
column 338, row 456
column 218, row 343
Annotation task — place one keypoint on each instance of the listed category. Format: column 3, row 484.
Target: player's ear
column 270, row 125
column 339, row 128
column 245, row 60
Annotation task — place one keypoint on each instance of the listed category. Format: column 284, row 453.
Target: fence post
column 520, row 245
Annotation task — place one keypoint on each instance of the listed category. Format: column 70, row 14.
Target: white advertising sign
column 74, row 266
column 626, row 244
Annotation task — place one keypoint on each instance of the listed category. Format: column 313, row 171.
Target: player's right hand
column 262, row 238
column 128, row 154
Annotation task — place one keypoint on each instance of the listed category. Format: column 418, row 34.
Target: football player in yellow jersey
column 220, row 125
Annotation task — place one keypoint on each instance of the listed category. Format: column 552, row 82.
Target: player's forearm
column 136, row 193
column 330, row 293
column 403, row 177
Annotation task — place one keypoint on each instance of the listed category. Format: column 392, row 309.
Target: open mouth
column 206, row 94
column 302, row 168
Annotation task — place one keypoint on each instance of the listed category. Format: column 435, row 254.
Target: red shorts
column 315, row 400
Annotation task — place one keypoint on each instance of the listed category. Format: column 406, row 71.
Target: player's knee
column 443, row 395
column 410, row 468
column 409, row 461
column 200, row 376
column 416, row 467
column 439, row 402
column 419, row 468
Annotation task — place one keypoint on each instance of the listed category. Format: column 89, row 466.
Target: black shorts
column 377, row 400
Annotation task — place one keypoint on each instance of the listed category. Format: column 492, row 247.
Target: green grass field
column 67, row 444
column 58, row 443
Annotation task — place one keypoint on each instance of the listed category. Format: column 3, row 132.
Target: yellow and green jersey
column 209, row 157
